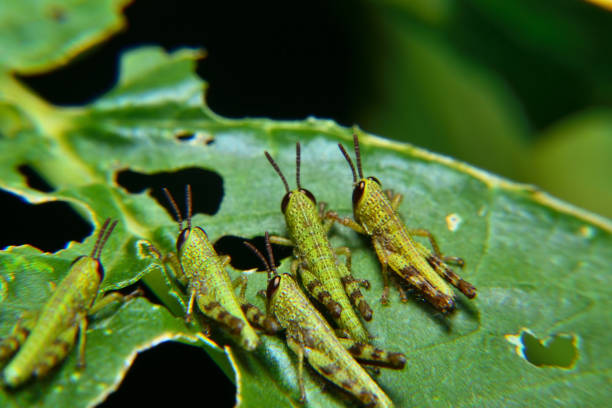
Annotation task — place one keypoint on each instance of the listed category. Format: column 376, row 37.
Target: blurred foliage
column 514, row 87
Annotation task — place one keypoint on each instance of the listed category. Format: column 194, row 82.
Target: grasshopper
column 376, row 215
column 326, row 279
column 309, row 336
column 202, row 271
column 42, row 340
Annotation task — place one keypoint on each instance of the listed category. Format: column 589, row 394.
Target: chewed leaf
column 536, row 262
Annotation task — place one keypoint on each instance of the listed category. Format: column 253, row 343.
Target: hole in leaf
column 35, row 180
column 47, row 226
column 243, row 258
column 188, row 365
column 558, row 350
column 206, row 188
column 196, row 138
column 184, row 136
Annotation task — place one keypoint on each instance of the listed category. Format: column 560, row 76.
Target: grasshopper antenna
column 278, row 170
column 350, row 162
column 109, row 231
column 260, row 256
column 175, row 208
column 105, row 233
column 297, row 165
column 95, row 248
column 269, row 249
column 357, row 154
column 188, row 199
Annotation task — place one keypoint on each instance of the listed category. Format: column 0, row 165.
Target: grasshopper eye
column 180, row 241
column 375, row 180
column 285, row 202
column 309, row 195
column 272, row 286
column 100, row 270
column 358, row 192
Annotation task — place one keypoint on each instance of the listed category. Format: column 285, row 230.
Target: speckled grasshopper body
column 42, row 340
column 202, row 271
column 375, row 213
column 310, row 337
column 324, row 277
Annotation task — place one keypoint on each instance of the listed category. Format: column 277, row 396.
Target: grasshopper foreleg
column 394, row 198
column 252, row 312
column 177, row 269
column 384, row 262
column 296, row 342
column 278, row 240
column 346, row 221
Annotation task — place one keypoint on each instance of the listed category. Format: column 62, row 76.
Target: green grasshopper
column 375, row 215
column 202, row 271
column 43, row 339
column 326, row 279
column 309, row 336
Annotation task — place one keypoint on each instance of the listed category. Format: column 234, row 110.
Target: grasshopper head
column 363, row 186
column 188, row 235
column 87, row 263
column 295, row 196
column 300, row 195
column 92, row 262
column 274, row 279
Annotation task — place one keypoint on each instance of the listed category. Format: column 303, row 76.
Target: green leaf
column 112, row 340
column 539, row 264
column 38, row 35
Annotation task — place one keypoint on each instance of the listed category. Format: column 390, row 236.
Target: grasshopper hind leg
column 370, row 355
column 215, row 311
column 351, row 285
column 316, row 289
column 56, row 351
column 254, row 315
column 437, row 263
column 10, row 344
